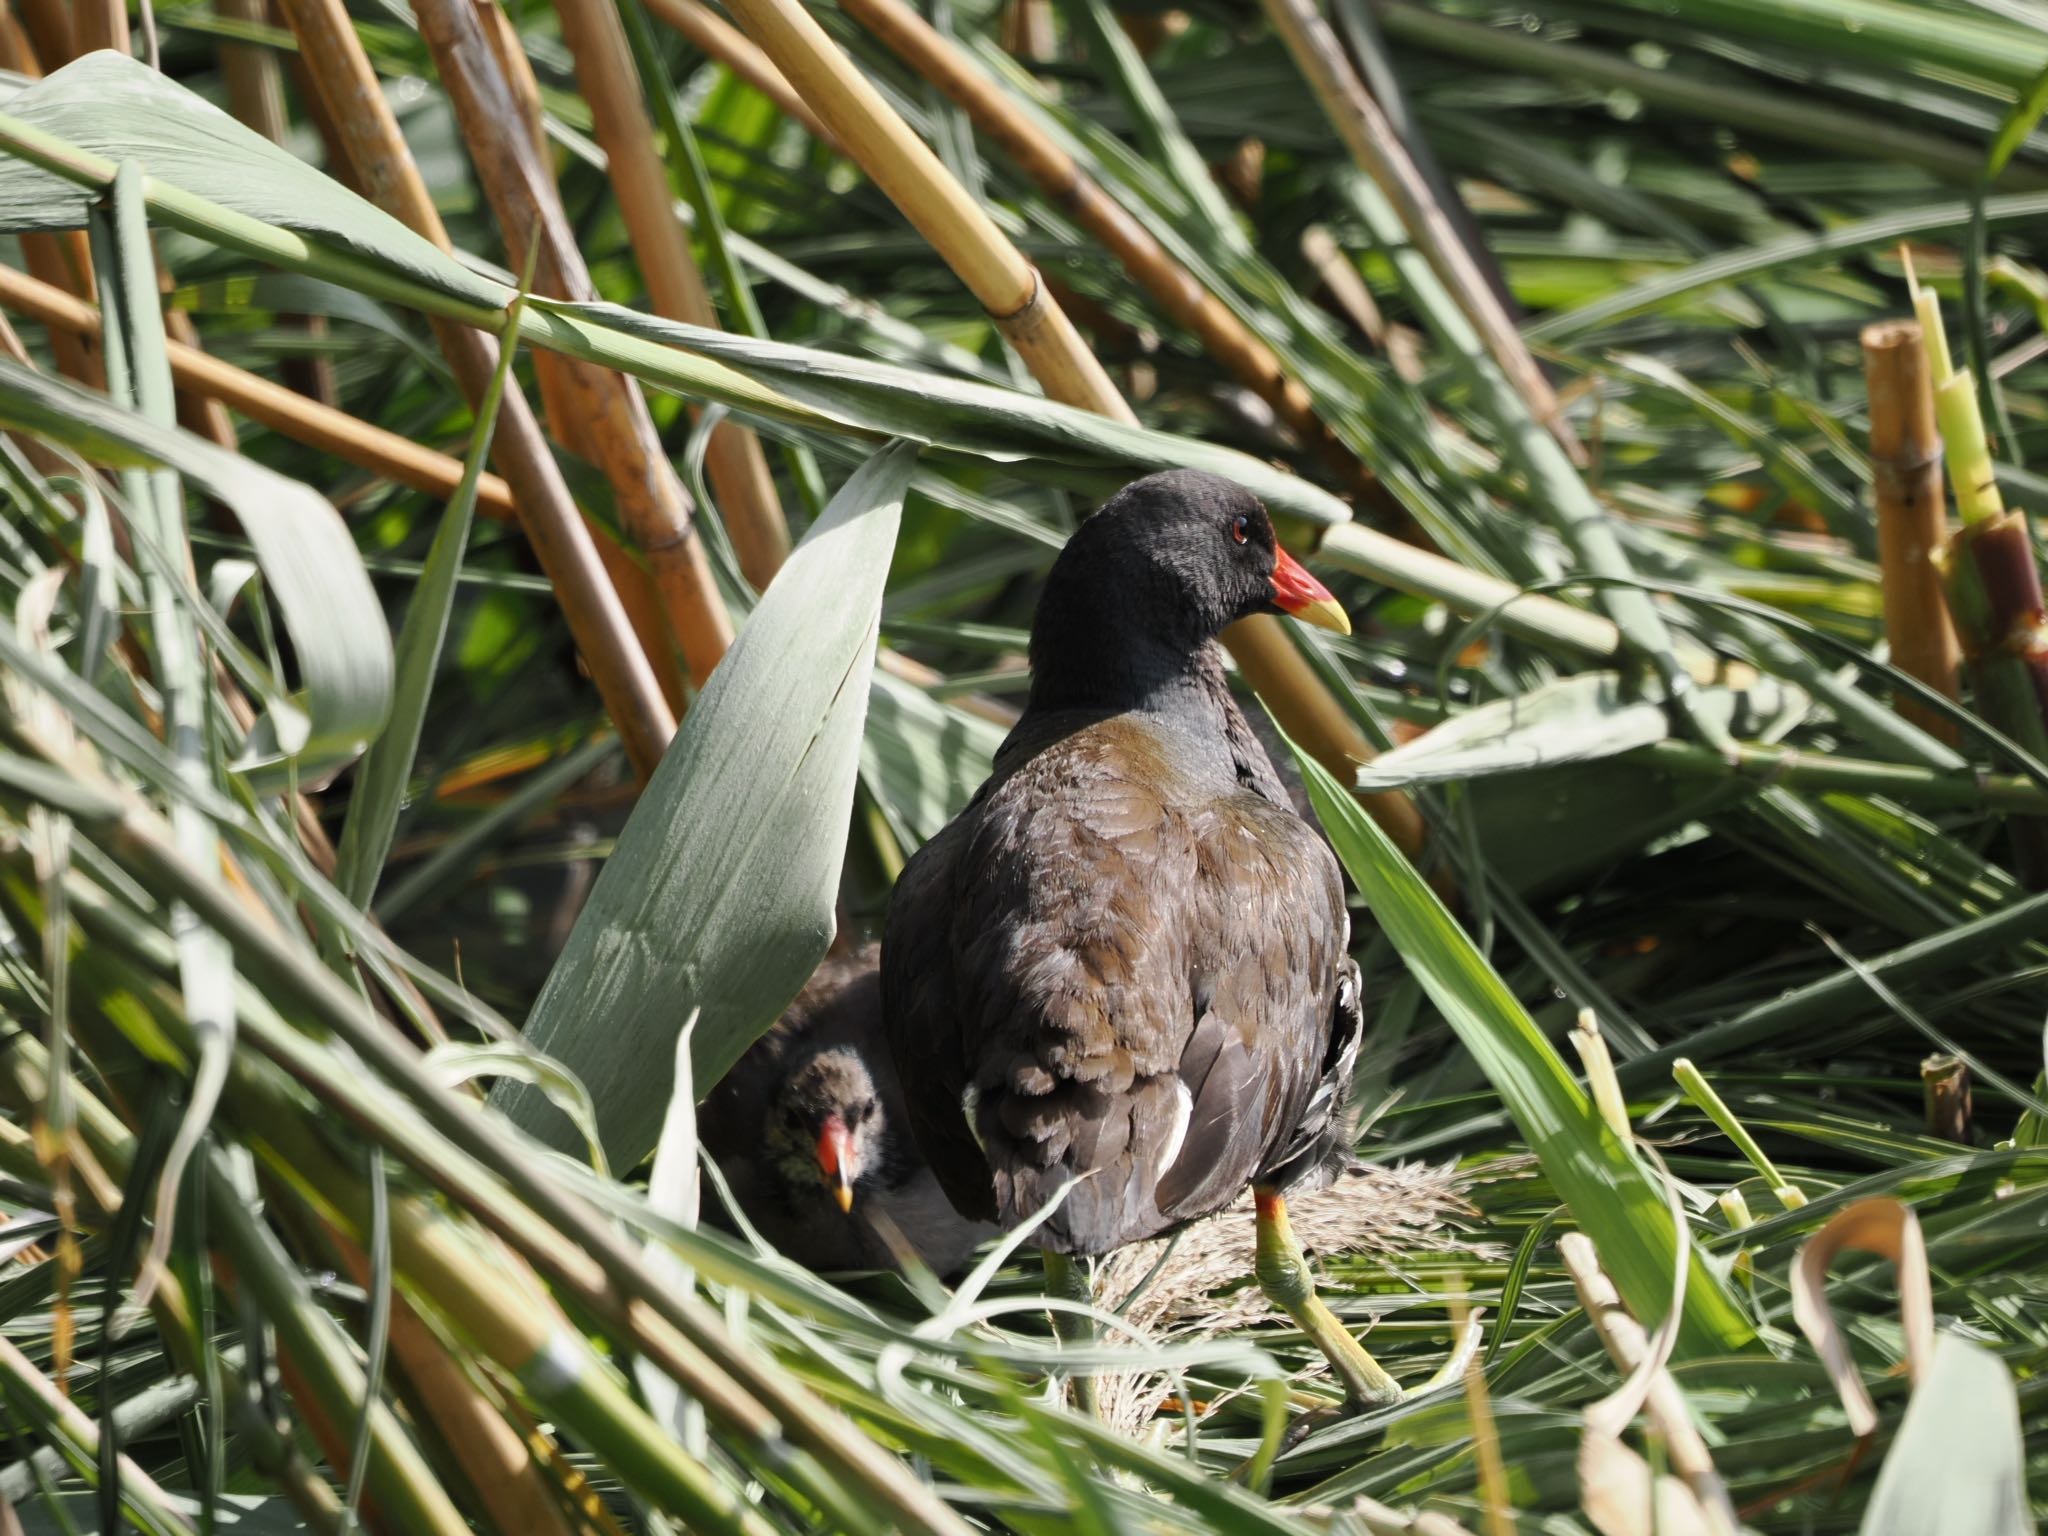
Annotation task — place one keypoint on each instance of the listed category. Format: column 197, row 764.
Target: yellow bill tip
column 1325, row 613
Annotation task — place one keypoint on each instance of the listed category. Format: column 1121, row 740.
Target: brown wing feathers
column 1136, row 993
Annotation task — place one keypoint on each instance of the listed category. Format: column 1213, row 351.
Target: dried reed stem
column 738, row 53
column 1401, row 346
column 1989, row 576
column 354, row 105
column 254, row 81
column 1006, row 285
column 49, row 27
column 598, row 412
column 737, row 468
column 1172, row 286
column 63, row 257
column 1381, row 155
column 1945, row 1084
column 565, row 413
column 256, row 96
column 1912, row 520
column 100, row 24
column 1307, row 711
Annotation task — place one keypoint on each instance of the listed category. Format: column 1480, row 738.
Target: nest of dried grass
column 1204, row 1287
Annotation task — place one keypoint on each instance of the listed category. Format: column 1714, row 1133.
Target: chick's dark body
column 1125, row 959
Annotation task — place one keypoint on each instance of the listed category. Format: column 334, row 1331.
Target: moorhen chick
column 809, row 1130
column 1124, row 962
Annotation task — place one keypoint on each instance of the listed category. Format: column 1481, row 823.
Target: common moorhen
column 1124, row 962
column 809, row 1130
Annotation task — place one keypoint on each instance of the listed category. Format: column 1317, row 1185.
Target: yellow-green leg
column 1284, row 1277
column 1066, row 1279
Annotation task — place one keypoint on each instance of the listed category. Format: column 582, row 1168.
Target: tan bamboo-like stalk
column 607, row 410
column 1307, row 711
column 1010, row 289
column 1006, row 285
column 282, row 410
column 1027, row 30
column 737, row 52
column 255, row 87
column 104, row 24
column 1401, row 346
column 48, row 23
column 1912, row 514
column 734, row 462
column 37, row 451
column 255, row 83
column 63, row 257
column 196, row 413
column 1377, row 148
column 1184, row 299
column 382, row 166
column 64, row 260
column 561, row 407
column 100, row 24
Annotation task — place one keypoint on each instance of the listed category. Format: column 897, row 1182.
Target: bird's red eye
column 1239, row 528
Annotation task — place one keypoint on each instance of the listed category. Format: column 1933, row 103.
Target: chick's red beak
column 835, row 1153
column 1300, row 594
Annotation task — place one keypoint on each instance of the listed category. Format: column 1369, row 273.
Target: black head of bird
column 1165, row 566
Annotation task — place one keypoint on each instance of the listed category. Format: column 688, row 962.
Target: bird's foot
column 1283, row 1275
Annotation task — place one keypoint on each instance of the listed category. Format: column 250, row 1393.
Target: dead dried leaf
column 1886, row 1228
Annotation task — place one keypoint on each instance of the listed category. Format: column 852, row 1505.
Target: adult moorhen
column 809, row 1130
column 1124, row 962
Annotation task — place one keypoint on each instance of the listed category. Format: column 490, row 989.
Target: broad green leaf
column 1610, row 1195
column 2023, row 209
column 139, row 376
column 719, row 896
column 1005, row 425
column 1572, row 720
column 1958, row 1465
column 311, row 569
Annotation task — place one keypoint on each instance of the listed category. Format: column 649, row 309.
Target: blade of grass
column 386, row 770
